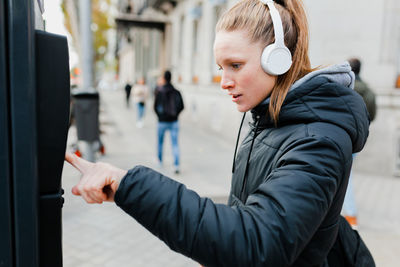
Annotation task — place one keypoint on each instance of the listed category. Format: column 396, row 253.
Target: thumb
column 75, row 191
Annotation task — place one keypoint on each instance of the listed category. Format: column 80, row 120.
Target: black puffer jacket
column 168, row 103
column 285, row 213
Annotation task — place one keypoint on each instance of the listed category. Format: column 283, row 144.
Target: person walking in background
column 363, row 89
column 140, row 93
column 168, row 104
column 290, row 173
column 349, row 205
column 127, row 88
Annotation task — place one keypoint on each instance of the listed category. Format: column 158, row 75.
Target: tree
column 101, row 23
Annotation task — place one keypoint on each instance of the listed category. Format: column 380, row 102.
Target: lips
column 235, row 97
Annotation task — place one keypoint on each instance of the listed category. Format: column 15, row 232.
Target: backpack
column 349, row 250
column 169, row 104
column 368, row 95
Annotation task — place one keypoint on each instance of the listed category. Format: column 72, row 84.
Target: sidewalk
column 103, row 235
column 378, row 201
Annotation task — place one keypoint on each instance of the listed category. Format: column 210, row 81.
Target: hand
column 99, row 180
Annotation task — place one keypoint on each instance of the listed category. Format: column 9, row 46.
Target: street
column 103, row 235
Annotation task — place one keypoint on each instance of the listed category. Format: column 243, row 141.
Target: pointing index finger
column 79, row 163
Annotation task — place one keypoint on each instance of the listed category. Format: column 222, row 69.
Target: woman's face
column 242, row 75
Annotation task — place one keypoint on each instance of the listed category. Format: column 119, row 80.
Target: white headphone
column 276, row 58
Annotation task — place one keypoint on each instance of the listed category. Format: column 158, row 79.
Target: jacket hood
column 340, row 73
column 324, row 95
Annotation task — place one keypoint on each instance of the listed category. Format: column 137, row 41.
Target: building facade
column 338, row 30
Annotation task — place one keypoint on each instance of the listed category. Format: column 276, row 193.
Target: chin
column 242, row 108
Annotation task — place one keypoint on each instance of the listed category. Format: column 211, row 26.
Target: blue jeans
column 173, row 127
column 349, row 204
column 140, row 111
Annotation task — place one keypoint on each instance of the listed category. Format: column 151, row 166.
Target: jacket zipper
column 248, row 159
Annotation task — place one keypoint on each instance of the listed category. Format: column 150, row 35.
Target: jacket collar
column 261, row 111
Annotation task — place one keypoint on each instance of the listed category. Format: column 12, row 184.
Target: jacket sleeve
column 270, row 229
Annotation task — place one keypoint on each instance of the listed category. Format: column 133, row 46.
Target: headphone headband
column 276, row 21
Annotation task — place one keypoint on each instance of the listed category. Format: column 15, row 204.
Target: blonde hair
column 253, row 17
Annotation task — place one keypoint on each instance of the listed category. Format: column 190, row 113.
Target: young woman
column 291, row 170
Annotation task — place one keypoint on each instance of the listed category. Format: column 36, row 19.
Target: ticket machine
column 34, row 115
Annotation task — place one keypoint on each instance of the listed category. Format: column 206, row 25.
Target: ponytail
column 295, row 27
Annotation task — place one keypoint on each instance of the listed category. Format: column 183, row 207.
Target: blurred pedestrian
column 291, row 170
column 127, row 88
column 363, row 88
column 349, row 205
column 140, row 93
column 168, row 104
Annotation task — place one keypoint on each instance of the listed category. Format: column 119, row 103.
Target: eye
column 236, row 65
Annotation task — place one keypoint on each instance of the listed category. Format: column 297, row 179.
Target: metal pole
column 85, row 20
column 397, row 85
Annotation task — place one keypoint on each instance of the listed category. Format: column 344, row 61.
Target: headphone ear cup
column 276, row 60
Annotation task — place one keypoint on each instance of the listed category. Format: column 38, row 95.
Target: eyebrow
column 231, row 60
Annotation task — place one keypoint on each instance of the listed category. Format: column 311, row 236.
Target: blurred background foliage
column 102, row 22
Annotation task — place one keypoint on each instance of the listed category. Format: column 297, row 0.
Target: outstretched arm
column 270, row 229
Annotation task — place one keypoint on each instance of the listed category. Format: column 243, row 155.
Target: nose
column 227, row 82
